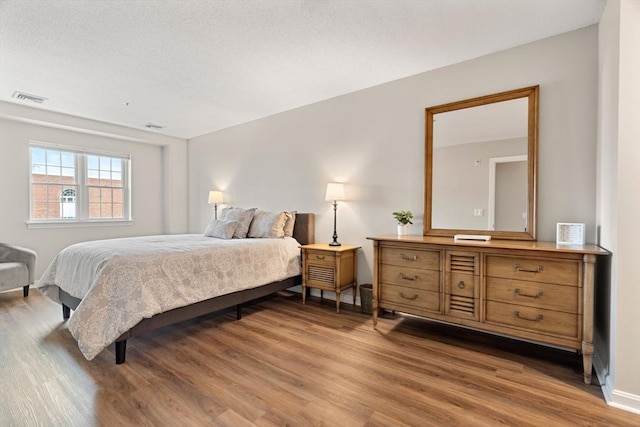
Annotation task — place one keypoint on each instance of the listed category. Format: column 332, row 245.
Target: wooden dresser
column 534, row 291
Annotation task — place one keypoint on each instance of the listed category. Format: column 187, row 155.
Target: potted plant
column 404, row 219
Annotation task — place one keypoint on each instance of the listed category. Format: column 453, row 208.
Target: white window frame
column 82, row 195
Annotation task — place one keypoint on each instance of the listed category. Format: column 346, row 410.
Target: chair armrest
column 12, row 253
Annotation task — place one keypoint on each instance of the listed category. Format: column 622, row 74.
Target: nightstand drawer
column 320, row 257
column 534, row 269
column 427, row 280
column 429, row 260
column 411, row 297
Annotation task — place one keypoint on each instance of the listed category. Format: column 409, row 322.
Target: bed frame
column 303, row 232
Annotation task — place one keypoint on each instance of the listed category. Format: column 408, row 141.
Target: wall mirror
column 481, row 166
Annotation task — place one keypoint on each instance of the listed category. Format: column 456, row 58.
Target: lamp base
column 335, row 233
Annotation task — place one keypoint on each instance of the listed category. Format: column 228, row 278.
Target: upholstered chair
column 17, row 267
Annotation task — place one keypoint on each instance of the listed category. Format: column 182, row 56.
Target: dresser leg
column 338, row 302
column 375, row 315
column 587, row 361
column 304, row 294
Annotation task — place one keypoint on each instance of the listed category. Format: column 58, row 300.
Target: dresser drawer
column 410, row 297
column 533, row 294
column 320, row 257
column 428, row 280
column 533, row 319
column 407, row 257
column 534, row 269
column 461, row 284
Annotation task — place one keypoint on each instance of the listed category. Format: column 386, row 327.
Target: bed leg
column 66, row 312
column 238, row 311
column 25, row 291
column 121, row 350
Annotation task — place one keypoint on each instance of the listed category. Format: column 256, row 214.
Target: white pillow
column 221, row 229
column 267, row 224
column 243, row 216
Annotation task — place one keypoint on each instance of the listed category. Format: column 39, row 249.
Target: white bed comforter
column 122, row 281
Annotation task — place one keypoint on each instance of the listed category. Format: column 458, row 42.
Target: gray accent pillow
column 243, row 216
column 267, row 224
column 221, row 229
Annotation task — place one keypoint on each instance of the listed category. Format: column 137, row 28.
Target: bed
column 121, row 288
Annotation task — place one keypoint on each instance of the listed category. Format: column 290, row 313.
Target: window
column 74, row 185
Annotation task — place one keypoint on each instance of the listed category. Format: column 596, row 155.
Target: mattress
column 122, row 281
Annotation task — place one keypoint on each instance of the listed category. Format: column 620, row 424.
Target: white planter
column 403, row 230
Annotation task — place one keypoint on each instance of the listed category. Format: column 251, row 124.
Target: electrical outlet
column 478, row 212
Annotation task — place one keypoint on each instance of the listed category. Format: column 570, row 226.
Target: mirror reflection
column 481, row 166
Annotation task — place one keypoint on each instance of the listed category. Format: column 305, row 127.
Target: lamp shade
column 215, row 197
column 335, row 191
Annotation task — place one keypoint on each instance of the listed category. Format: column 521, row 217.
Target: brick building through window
column 77, row 186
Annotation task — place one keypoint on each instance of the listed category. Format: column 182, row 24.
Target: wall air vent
column 153, row 127
column 27, row 97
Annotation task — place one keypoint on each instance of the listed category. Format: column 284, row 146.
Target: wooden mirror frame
column 531, row 93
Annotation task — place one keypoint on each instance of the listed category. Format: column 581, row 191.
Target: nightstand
column 329, row 268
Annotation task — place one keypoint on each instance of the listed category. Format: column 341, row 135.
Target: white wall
column 618, row 207
column 152, row 158
column 374, row 140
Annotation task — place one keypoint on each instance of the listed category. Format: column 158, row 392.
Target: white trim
column 615, row 398
column 625, row 401
column 73, row 224
column 78, row 150
column 493, row 161
column 75, row 129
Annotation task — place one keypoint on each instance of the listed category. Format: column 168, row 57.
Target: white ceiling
column 194, row 67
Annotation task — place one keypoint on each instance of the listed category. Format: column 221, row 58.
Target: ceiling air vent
column 27, row 97
column 153, row 127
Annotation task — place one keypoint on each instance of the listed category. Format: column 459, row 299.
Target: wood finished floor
column 288, row 364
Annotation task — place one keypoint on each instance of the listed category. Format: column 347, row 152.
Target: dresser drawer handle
column 516, row 267
column 517, row 291
column 460, row 284
column 319, row 256
column 531, row 319
column 408, row 258
column 415, row 296
column 413, row 279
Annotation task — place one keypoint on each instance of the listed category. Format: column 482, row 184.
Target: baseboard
column 602, row 373
column 625, row 401
column 616, row 398
column 346, row 297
